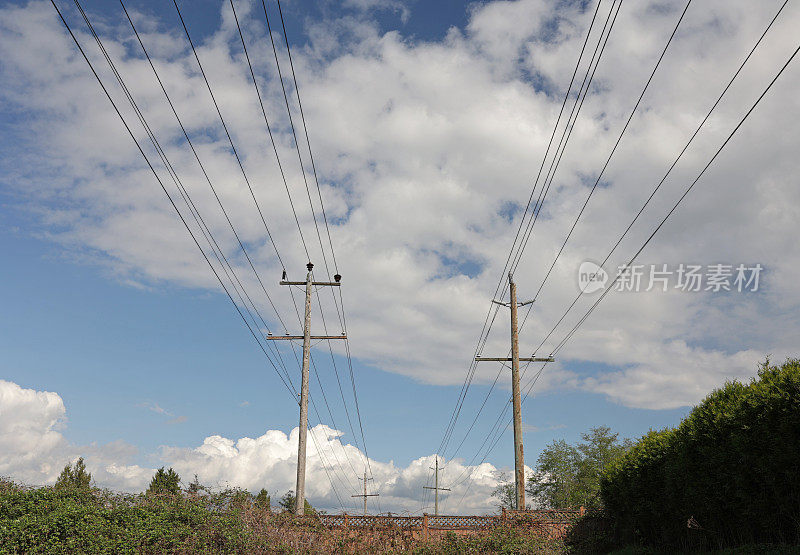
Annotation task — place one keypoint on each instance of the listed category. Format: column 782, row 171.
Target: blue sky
column 428, row 129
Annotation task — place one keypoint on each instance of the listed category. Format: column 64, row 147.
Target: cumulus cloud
column 424, row 149
column 34, row 450
column 30, row 423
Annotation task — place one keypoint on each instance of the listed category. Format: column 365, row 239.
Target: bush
column 727, row 475
column 73, row 520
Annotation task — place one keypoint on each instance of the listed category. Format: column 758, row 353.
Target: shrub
column 72, row 520
column 727, row 475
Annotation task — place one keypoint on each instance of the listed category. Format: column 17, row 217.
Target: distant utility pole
column 519, row 459
column 300, row 490
column 365, row 494
column 436, row 488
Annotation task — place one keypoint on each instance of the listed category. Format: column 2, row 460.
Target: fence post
column 425, row 526
column 345, row 520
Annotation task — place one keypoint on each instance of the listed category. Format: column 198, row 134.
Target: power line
column 225, row 127
column 555, row 162
column 560, row 345
column 269, row 129
column 202, row 168
column 163, row 187
column 305, row 130
column 614, row 149
column 233, row 147
column 294, row 135
column 322, row 460
column 557, row 158
column 673, row 164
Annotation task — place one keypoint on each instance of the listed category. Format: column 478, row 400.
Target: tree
column 263, row 500
column 600, row 447
column 569, row 475
column 165, row 482
column 195, row 487
column 287, row 503
column 505, row 493
column 74, row 477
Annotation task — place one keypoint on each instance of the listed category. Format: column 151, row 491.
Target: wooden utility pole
column 365, row 494
column 300, row 490
column 519, row 458
column 436, row 488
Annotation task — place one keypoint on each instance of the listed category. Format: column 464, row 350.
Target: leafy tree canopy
column 165, row 482
column 74, row 477
column 569, row 475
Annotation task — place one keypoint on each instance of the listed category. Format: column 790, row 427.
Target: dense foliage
column 84, row 520
column 728, row 474
column 505, row 540
column 89, row 520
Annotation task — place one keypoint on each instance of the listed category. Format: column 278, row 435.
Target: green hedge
column 48, row 520
column 732, row 465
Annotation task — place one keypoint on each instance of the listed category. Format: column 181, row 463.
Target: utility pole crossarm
column 328, row 283
column 294, row 337
column 423, row 487
column 521, row 359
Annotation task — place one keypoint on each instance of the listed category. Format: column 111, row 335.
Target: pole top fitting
column 337, row 278
column 310, row 266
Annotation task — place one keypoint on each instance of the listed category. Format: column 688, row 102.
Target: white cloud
column 156, row 408
column 420, row 147
column 29, row 430
column 33, row 450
